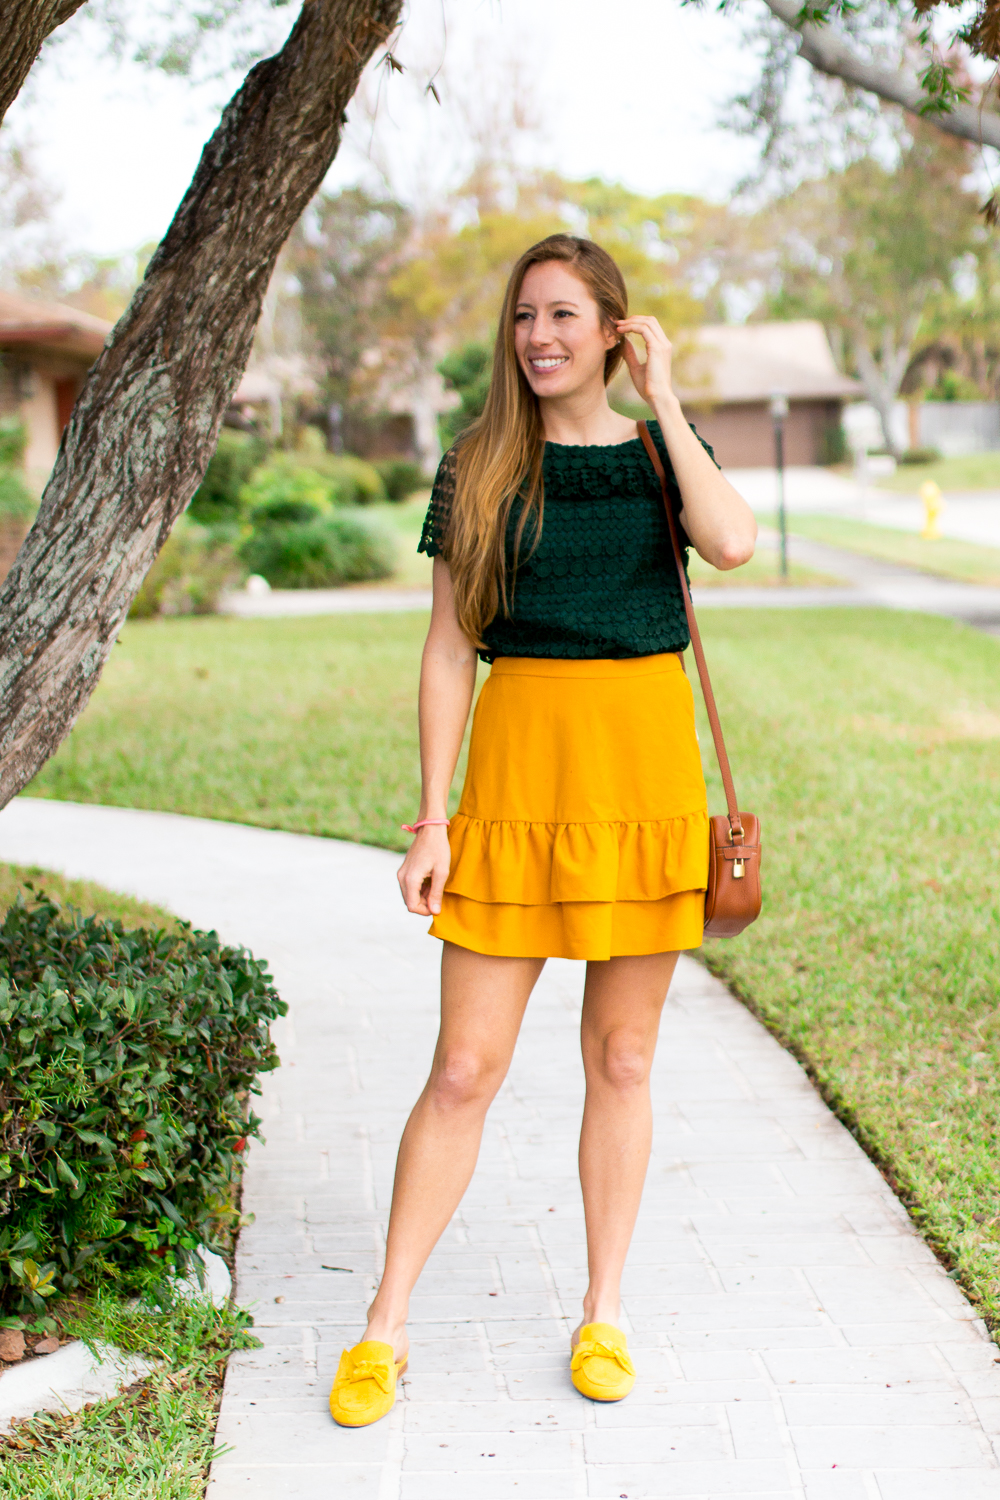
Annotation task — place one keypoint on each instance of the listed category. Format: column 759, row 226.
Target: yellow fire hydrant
column 930, row 494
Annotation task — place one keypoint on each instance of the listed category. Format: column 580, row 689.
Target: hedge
column 188, row 577
column 127, row 1059
column 331, row 550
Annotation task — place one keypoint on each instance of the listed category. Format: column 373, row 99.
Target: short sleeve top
column 601, row 581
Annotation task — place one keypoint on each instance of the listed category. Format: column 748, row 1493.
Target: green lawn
column 973, row 471
column 969, row 562
column 307, row 724
column 760, row 572
column 91, row 899
column 406, row 519
column 867, row 741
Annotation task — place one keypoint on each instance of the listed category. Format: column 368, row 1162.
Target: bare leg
column 483, row 1001
column 622, row 1001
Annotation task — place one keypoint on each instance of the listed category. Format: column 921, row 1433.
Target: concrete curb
column 66, row 1380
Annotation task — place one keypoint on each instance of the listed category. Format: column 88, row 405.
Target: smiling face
column 559, row 336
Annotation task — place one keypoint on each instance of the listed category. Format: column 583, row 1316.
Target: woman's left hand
column 652, row 379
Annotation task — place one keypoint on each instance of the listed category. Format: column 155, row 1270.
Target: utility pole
column 779, row 411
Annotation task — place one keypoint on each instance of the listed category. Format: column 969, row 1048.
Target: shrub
column 467, row 371
column 285, row 481
column 951, row 386
column 13, row 440
column 216, row 501
column 833, row 445
column 319, row 479
column 400, row 477
column 358, row 482
column 126, row 1064
column 18, row 508
column 355, row 481
column 18, row 505
column 189, row 574
column 920, row 456
column 333, row 549
column 284, row 513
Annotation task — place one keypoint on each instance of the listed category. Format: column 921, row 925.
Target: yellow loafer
column 601, row 1367
column 364, row 1388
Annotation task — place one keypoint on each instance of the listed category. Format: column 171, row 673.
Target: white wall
column 953, row 427
column 957, row 427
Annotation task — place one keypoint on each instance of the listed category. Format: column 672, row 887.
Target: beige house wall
column 39, row 412
column 40, row 388
column 742, row 433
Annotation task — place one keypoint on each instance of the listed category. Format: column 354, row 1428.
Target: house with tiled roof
column 727, row 375
column 46, row 349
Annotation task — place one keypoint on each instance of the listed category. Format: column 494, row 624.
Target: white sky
column 628, row 90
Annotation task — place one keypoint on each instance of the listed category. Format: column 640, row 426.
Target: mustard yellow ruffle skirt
column 583, row 827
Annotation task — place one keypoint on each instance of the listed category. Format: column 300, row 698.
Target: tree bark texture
column 146, row 423
column 828, row 54
column 24, row 25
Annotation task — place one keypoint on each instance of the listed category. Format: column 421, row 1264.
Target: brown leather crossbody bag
column 732, row 899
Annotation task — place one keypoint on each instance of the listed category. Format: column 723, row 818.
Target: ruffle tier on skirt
column 583, row 827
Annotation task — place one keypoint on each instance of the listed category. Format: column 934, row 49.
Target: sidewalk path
column 870, row 582
column 867, row 583
column 969, row 515
column 794, row 1337
column 343, row 601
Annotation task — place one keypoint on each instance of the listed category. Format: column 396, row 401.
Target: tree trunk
column 883, row 377
column 824, row 51
column 145, row 426
column 425, row 409
column 24, row 25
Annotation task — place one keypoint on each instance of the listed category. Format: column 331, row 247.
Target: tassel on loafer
column 601, row 1367
column 364, row 1388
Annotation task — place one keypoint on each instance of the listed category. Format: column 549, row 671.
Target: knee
column 464, row 1079
column 621, row 1061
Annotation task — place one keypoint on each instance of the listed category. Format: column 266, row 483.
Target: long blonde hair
column 500, row 455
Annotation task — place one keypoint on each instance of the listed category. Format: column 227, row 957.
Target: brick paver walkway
column 793, row 1335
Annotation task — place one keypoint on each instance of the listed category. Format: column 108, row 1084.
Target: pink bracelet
column 424, row 823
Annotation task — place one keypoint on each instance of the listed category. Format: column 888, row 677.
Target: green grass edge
column 935, row 1228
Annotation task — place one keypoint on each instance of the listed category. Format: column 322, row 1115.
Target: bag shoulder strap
column 699, row 654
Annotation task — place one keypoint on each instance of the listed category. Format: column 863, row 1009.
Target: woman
column 582, row 830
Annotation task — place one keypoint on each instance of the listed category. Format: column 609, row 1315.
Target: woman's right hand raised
column 424, row 871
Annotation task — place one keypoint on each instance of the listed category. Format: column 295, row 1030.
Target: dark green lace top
column 602, row 581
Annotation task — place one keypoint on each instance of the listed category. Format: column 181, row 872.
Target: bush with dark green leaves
column 13, row 440
column 217, row 500
column 358, row 482
column 192, row 569
column 466, row 371
column 285, row 480
column 322, row 553
column 17, row 504
column 401, row 477
column 316, row 477
column 127, row 1061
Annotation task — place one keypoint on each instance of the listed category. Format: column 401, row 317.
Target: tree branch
column 24, row 25
column 828, row 54
column 146, row 424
